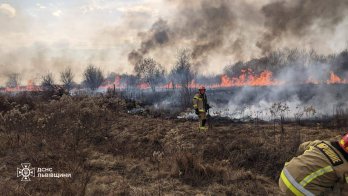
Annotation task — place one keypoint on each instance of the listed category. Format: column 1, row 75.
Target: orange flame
column 143, row 86
column 334, row 79
column 110, row 85
column 247, row 78
column 29, row 87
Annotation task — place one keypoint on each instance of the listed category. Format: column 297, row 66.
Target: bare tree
column 183, row 75
column 93, row 77
column 149, row 71
column 67, row 78
column 279, row 110
column 13, row 80
column 182, row 72
column 47, row 82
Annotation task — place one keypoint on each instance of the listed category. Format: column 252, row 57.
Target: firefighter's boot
column 202, row 125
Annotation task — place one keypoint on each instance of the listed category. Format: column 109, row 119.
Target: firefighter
column 201, row 106
column 322, row 169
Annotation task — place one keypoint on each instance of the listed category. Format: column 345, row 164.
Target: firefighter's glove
column 197, row 111
column 208, row 106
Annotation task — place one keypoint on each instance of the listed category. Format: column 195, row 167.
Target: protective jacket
column 200, row 102
column 321, row 170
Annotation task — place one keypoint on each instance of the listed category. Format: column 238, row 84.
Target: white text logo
column 25, row 172
column 41, row 172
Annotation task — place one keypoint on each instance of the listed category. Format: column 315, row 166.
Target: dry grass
column 111, row 152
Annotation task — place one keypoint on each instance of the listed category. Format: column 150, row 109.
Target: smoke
column 305, row 87
column 207, row 25
column 8, row 10
column 203, row 26
column 300, row 18
column 157, row 36
column 296, row 70
column 33, row 63
column 323, row 101
column 220, row 30
column 217, row 32
column 33, row 42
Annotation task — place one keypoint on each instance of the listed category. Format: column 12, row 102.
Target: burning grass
column 109, row 151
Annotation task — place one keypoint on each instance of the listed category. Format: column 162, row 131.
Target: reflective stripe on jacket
column 200, row 102
column 322, row 167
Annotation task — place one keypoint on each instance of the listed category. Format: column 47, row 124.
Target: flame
column 110, row 85
column 168, row 86
column 334, row 79
column 143, row 86
column 247, row 78
column 29, row 87
column 9, row 89
column 117, row 81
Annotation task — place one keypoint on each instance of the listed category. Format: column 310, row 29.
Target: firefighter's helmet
column 202, row 88
column 344, row 142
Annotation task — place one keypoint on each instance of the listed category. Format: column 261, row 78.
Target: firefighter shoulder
column 322, row 169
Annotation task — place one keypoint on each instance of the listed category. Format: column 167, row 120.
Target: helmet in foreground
column 344, row 142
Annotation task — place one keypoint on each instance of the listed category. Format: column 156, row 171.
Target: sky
column 45, row 36
column 41, row 36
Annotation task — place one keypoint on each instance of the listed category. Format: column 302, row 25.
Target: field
column 109, row 151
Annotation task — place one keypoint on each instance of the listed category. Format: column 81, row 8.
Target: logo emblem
column 25, row 172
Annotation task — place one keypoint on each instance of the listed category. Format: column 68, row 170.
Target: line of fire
column 247, row 78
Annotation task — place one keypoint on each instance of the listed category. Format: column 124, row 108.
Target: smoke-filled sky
column 41, row 36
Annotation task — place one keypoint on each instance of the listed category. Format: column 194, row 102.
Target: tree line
column 147, row 71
